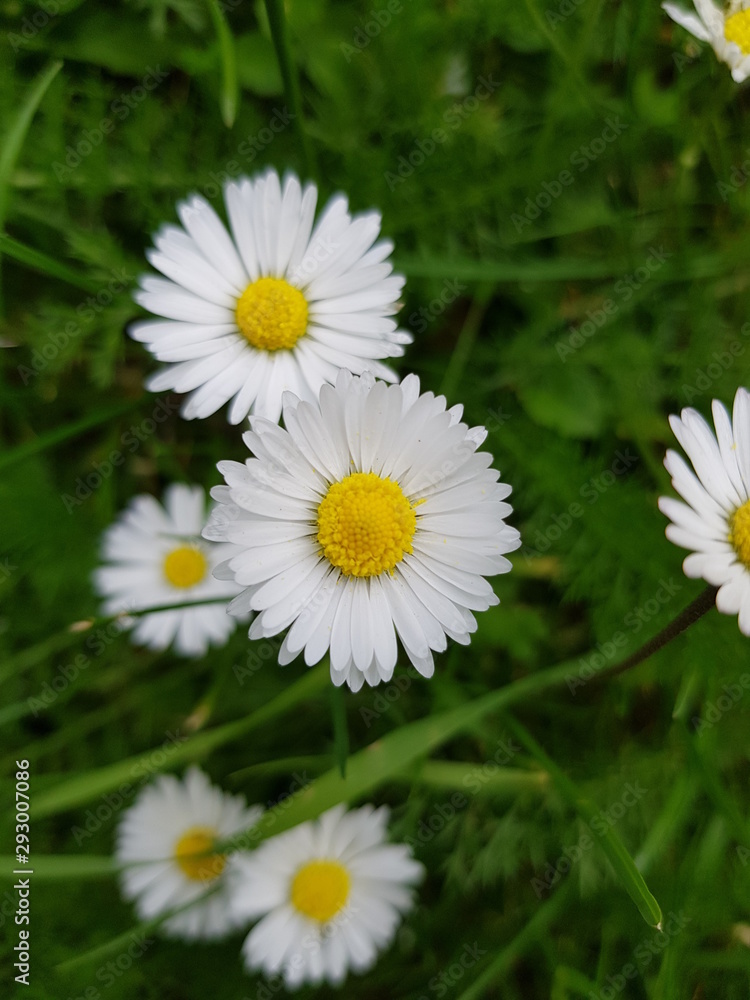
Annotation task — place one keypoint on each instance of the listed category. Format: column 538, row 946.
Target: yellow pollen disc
column 365, row 524
column 739, row 532
column 320, row 889
column 271, row 314
column 192, row 854
column 185, row 566
column 737, row 30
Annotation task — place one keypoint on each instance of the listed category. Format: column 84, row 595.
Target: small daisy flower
column 331, row 894
column 714, row 521
column 371, row 516
column 280, row 304
column 164, row 844
column 155, row 557
column 727, row 33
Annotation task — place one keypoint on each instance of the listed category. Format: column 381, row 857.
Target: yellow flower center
column 365, row 524
column 739, row 532
column 271, row 314
column 185, row 566
column 737, row 30
column 193, row 854
column 320, row 889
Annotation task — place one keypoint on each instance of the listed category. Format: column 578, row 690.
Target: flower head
column 280, row 304
column 727, row 33
column 155, row 556
column 714, row 521
column 330, row 895
column 371, row 516
column 164, row 845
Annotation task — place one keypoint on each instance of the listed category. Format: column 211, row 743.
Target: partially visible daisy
column 714, row 521
column 280, row 304
column 371, row 516
column 727, row 33
column 155, row 556
column 331, row 894
column 164, row 845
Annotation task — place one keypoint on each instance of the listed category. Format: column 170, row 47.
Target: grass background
column 509, row 270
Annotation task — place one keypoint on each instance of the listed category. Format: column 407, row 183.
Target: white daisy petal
column 338, row 544
column 281, row 304
column 328, row 895
column 163, row 845
column 726, row 32
column 714, row 521
column 156, row 557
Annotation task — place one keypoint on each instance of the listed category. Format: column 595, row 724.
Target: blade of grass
column 503, row 781
column 50, row 867
column 609, row 841
column 16, row 134
column 465, row 340
column 503, row 961
column 64, row 433
column 280, row 37
column 340, row 728
column 230, row 89
column 394, row 754
column 72, row 792
column 38, row 261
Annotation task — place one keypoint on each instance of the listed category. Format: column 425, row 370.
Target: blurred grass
column 508, row 266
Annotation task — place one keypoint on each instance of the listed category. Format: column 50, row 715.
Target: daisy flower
column 727, row 33
column 280, row 304
column 371, row 516
column 331, row 894
column 155, row 557
column 164, row 844
column 714, row 521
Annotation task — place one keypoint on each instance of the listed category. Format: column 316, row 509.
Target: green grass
column 569, row 200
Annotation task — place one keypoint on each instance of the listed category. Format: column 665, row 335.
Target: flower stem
column 280, row 37
column 703, row 603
